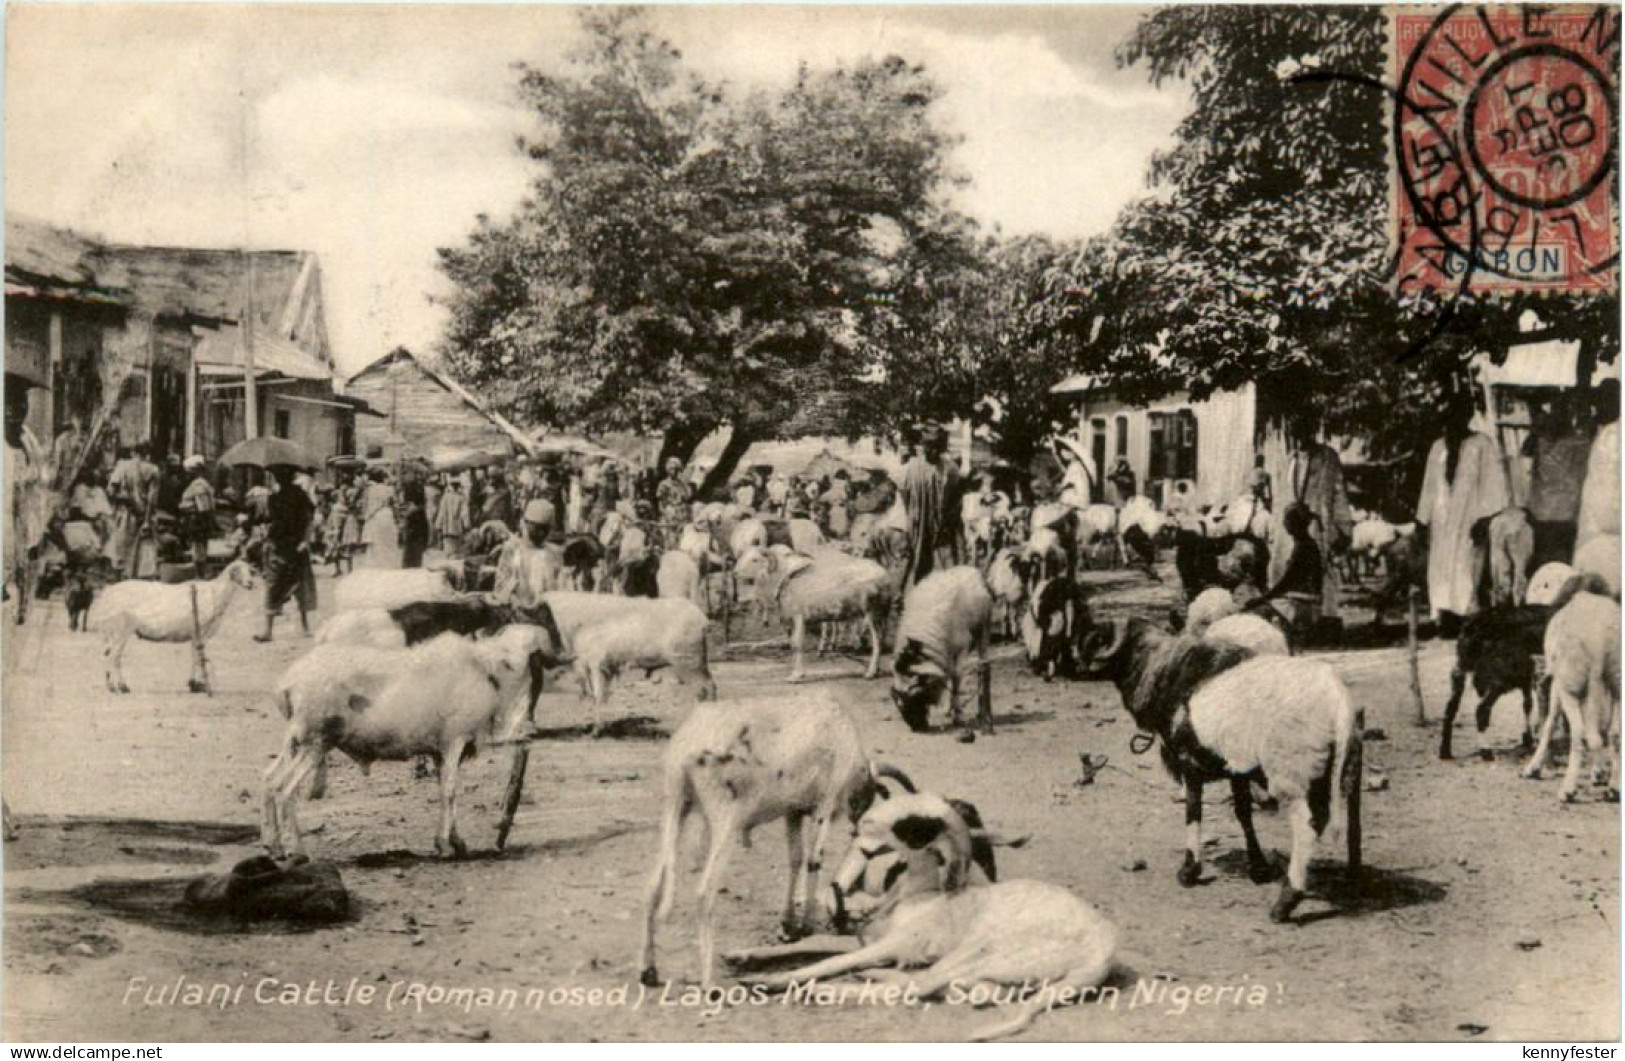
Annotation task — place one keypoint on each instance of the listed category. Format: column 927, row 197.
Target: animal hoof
column 1285, row 903
column 650, row 977
column 1263, row 872
column 1566, row 796
column 1445, row 756
column 1486, row 755
column 1533, row 773
column 1190, row 874
column 791, row 931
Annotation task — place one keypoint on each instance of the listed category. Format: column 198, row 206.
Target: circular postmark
column 1505, row 122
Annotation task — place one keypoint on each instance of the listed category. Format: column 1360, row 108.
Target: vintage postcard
column 764, row 523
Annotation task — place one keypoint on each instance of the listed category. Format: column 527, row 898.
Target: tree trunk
column 680, row 441
column 739, row 439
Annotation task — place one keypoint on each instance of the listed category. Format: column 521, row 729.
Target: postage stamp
column 1504, row 127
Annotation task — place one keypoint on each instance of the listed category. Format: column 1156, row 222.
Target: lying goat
column 915, row 853
column 1221, row 713
column 796, row 756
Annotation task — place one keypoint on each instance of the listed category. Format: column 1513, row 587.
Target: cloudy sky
column 372, row 135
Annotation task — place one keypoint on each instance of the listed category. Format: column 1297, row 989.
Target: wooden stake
column 521, row 761
column 197, row 645
column 1411, row 653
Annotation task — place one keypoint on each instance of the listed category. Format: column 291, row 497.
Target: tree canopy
column 689, row 259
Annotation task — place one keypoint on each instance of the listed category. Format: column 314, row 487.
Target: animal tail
column 1082, row 979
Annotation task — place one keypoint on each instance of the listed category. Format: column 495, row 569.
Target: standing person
column 1315, row 481
column 378, row 522
column 778, row 494
column 414, row 524
column 196, row 509
column 89, row 503
column 172, row 485
column 129, row 512
column 674, row 495
column 431, row 496
column 1464, row 483
column 341, row 525
column 28, row 477
column 1079, row 476
column 1557, row 453
column 838, row 500
column 1599, row 495
column 451, row 518
column 930, row 493
column 1124, row 484
column 1259, row 485
column 287, row 552
column 498, row 502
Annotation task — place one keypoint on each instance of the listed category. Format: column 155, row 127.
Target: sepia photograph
column 811, row 523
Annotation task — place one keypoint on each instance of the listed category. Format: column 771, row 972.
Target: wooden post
column 1411, row 655
column 521, row 758
column 197, row 644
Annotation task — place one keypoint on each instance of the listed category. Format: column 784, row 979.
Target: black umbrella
column 267, row 453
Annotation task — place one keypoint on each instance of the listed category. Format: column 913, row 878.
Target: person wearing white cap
column 197, row 509
column 537, row 522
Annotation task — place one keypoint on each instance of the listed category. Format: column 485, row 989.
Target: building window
column 283, row 425
column 1173, row 445
column 1122, row 436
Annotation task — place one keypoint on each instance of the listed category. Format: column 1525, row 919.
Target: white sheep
column 605, row 635
column 945, row 615
column 439, row 699
column 796, row 755
column 376, row 588
column 152, row 611
column 1600, row 556
column 1582, row 661
column 371, row 627
column 1245, row 515
column 829, row 588
column 1140, row 511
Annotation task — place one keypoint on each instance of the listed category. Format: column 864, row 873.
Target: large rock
column 267, row 889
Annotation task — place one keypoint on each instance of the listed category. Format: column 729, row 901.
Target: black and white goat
column 1221, row 713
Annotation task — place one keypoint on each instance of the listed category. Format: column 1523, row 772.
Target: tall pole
column 251, row 404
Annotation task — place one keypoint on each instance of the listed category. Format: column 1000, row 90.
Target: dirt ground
column 1488, row 909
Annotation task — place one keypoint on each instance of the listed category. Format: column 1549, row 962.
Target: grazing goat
column 435, row 699
column 1511, row 544
column 1582, row 663
column 829, row 588
column 606, row 635
column 945, row 615
column 915, row 855
column 151, row 611
column 1498, row 648
column 1221, row 713
column 742, row 764
column 389, row 589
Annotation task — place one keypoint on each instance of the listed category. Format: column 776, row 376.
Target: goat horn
column 880, row 770
column 1119, row 638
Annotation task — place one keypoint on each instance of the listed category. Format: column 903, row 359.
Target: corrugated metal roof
column 221, row 353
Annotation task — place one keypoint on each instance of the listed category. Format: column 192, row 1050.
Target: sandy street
column 1486, row 911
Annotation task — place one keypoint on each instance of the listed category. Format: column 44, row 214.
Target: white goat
column 829, row 588
column 608, row 634
column 912, row 853
column 945, row 615
column 373, row 588
column 436, row 699
column 1549, row 583
column 741, row 764
column 152, row 611
column 1582, row 661
column 370, row 627
column 679, row 578
column 1007, row 582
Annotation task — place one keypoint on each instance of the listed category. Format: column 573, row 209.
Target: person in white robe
column 1464, row 482
column 1599, row 494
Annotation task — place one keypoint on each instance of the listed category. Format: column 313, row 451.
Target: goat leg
column 1458, row 683
column 1259, row 870
column 792, row 923
column 1190, row 873
column 1297, row 870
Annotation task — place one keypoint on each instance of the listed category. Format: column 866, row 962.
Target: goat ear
column 1000, row 839
column 918, row 830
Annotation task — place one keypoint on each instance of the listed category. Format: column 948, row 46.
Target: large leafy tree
column 688, row 260
column 1262, row 254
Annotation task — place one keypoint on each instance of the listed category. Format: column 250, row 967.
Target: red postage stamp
column 1505, row 136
